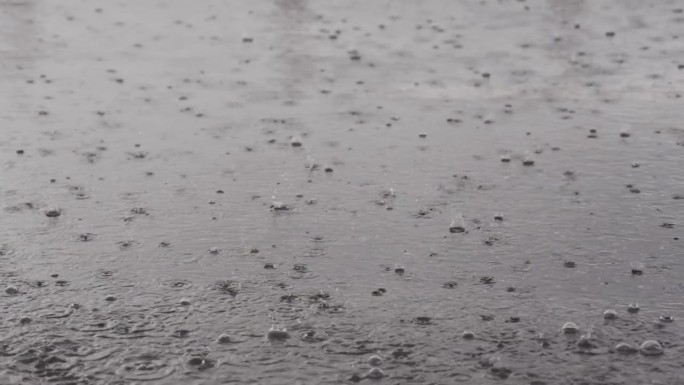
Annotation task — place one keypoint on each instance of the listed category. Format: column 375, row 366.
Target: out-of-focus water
column 298, row 164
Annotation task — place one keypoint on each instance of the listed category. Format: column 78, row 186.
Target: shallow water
column 168, row 129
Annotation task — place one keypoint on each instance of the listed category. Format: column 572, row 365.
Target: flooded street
column 339, row 192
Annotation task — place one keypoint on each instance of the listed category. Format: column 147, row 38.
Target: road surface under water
column 377, row 178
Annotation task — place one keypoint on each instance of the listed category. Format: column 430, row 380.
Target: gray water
column 166, row 135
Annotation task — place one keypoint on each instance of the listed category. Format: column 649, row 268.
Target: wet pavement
column 300, row 192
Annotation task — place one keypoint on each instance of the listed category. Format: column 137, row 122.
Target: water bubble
column 277, row 334
column 375, row 374
column 295, row 142
column 223, row 339
column 53, row 212
column 214, row 250
column 25, row 320
column 184, row 302
column 625, row 348
column 11, row 290
column 505, row 158
column 468, row 335
column 633, row 308
column 488, row 362
column 374, row 360
column 610, row 314
column 110, row 298
column 399, row 270
column 666, row 318
column 651, row 348
column 528, row 161
column 569, row 328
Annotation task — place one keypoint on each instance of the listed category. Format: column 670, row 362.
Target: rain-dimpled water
column 332, row 192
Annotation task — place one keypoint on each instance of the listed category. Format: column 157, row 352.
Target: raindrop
column 53, row 212
column 569, row 328
column 455, row 229
column 457, row 223
column 375, row 360
column 375, row 374
column 11, row 290
column 610, row 314
column 295, row 142
column 223, row 339
column 651, row 348
column 528, row 160
column 625, row 348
